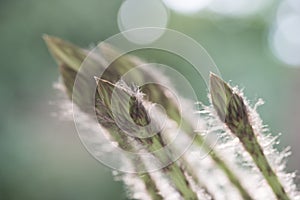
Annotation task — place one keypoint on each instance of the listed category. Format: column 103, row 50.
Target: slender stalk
column 192, row 173
column 224, row 167
column 252, row 146
column 151, row 186
column 199, row 141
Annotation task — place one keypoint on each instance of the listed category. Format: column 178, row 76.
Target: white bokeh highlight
column 138, row 14
column 187, row 6
column 238, row 8
column 284, row 37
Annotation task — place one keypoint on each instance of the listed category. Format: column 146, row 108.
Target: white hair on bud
column 214, row 184
column 232, row 151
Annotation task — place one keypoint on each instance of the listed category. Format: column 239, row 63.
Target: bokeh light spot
column 187, row 6
column 284, row 39
column 138, row 14
column 238, row 8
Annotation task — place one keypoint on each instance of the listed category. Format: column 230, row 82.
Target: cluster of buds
column 129, row 115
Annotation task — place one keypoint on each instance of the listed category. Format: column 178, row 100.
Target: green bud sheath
column 231, row 110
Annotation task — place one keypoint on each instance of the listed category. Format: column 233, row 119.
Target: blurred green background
column 43, row 158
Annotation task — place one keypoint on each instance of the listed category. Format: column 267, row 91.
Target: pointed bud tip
column 98, row 80
column 64, row 52
column 218, row 85
column 212, row 75
column 215, row 79
column 55, row 46
column 51, row 40
column 220, row 94
column 45, row 37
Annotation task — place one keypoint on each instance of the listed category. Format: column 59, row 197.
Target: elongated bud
column 127, row 101
column 232, row 110
column 230, row 106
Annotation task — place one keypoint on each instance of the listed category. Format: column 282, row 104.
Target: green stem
column 191, row 172
column 253, row 147
column 150, row 184
column 175, row 173
column 199, row 141
column 224, row 167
